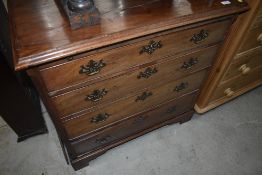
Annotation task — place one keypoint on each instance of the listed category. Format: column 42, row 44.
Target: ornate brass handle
column 201, row 36
column 151, row 47
column 244, row 69
column 103, row 140
column 259, row 38
column 99, row 118
column 97, row 95
column 147, row 73
column 92, row 67
column 229, row 92
column 171, row 110
column 190, row 63
column 181, row 87
column 139, row 120
column 144, row 96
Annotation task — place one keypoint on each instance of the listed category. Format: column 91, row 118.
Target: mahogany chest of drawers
column 139, row 69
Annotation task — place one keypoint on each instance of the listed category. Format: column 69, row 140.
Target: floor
column 225, row 141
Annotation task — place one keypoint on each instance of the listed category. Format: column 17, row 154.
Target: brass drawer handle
column 139, row 120
column 99, row 118
column 96, row 96
column 190, row 63
column 259, row 38
column 228, row 92
column 144, row 96
column 181, row 87
column 244, row 69
column 201, row 36
column 151, row 47
column 92, row 67
column 147, row 73
column 103, row 140
column 171, row 110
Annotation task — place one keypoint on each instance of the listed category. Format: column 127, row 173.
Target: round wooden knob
column 244, row 69
column 259, row 38
column 229, row 92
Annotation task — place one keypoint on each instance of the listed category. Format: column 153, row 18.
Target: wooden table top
column 41, row 32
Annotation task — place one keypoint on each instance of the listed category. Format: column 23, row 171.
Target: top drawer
column 88, row 69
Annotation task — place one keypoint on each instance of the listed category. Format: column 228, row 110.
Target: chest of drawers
column 141, row 68
column 241, row 62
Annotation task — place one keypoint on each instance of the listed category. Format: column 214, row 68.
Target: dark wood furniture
column 19, row 104
column 240, row 67
column 141, row 68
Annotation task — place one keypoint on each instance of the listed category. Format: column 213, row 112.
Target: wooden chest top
column 41, row 32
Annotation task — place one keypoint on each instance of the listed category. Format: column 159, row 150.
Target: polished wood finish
column 135, row 124
column 130, row 102
column 128, row 83
column 42, row 34
column 143, row 57
column 84, row 160
column 117, row 61
column 238, row 67
column 116, row 112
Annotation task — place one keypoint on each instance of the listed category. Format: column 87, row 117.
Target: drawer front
column 108, row 63
column 258, row 22
column 102, row 116
column 135, row 124
column 227, row 89
column 252, row 40
column 244, row 63
column 122, row 86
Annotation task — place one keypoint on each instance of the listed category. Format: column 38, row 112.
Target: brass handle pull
column 199, row 37
column 103, row 140
column 181, row 87
column 139, row 120
column 147, row 73
column 228, row 92
column 259, row 38
column 92, row 67
column 144, row 96
column 151, row 47
column 244, row 69
column 190, row 63
column 96, row 96
column 171, row 110
column 99, row 118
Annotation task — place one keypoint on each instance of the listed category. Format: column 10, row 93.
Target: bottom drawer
column 135, row 124
column 227, row 89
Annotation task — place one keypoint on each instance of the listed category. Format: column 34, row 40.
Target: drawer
column 252, row 40
column 126, row 84
column 258, row 22
column 102, row 116
column 227, row 89
column 244, row 63
column 135, row 124
column 91, row 68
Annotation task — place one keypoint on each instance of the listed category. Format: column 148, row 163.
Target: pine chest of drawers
column 240, row 65
column 141, row 68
